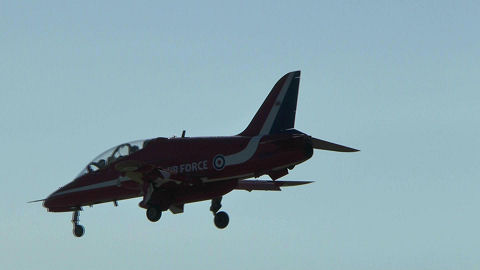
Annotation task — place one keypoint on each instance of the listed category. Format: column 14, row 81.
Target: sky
column 396, row 79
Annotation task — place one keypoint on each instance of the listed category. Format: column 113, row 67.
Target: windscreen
column 113, row 154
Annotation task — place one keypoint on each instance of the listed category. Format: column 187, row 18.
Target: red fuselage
column 168, row 173
column 207, row 166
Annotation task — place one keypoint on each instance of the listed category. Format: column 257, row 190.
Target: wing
column 250, row 185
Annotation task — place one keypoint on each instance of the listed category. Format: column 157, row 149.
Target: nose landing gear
column 78, row 230
column 221, row 218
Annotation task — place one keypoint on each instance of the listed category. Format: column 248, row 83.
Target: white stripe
column 245, row 154
column 110, row 183
column 267, row 125
column 252, row 145
column 239, row 177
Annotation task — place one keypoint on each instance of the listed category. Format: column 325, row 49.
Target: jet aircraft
column 171, row 172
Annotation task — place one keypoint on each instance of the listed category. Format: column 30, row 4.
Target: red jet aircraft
column 170, row 172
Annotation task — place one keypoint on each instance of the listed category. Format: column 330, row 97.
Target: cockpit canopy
column 113, row 154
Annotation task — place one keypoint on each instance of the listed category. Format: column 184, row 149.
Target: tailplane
column 277, row 112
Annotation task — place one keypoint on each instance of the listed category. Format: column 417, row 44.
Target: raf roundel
column 219, row 162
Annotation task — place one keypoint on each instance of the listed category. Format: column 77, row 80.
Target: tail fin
column 277, row 112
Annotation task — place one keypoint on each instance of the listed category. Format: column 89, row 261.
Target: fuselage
column 207, row 166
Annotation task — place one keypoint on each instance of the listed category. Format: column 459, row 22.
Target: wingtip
column 292, row 183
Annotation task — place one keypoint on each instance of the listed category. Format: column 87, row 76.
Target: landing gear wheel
column 154, row 214
column 78, row 230
column 221, row 220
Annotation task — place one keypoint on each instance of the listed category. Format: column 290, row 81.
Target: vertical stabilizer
column 277, row 112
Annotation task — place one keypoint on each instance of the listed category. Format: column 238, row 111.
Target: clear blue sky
column 400, row 81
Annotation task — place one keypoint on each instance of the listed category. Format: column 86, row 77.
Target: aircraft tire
column 154, row 214
column 78, row 230
column 221, row 220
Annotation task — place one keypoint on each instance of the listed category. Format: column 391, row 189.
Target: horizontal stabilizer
column 250, row 185
column 324, row 145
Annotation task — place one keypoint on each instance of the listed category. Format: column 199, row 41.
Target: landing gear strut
column 78, row 229
column 220, row 218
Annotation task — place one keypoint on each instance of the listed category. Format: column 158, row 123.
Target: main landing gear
column 220, row 218
column 78, row 229
column 154, row 214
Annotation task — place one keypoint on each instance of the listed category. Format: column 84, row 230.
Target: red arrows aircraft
column 170, row 172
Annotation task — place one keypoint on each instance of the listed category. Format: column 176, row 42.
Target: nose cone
column 56, row 203
column 48, row 202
